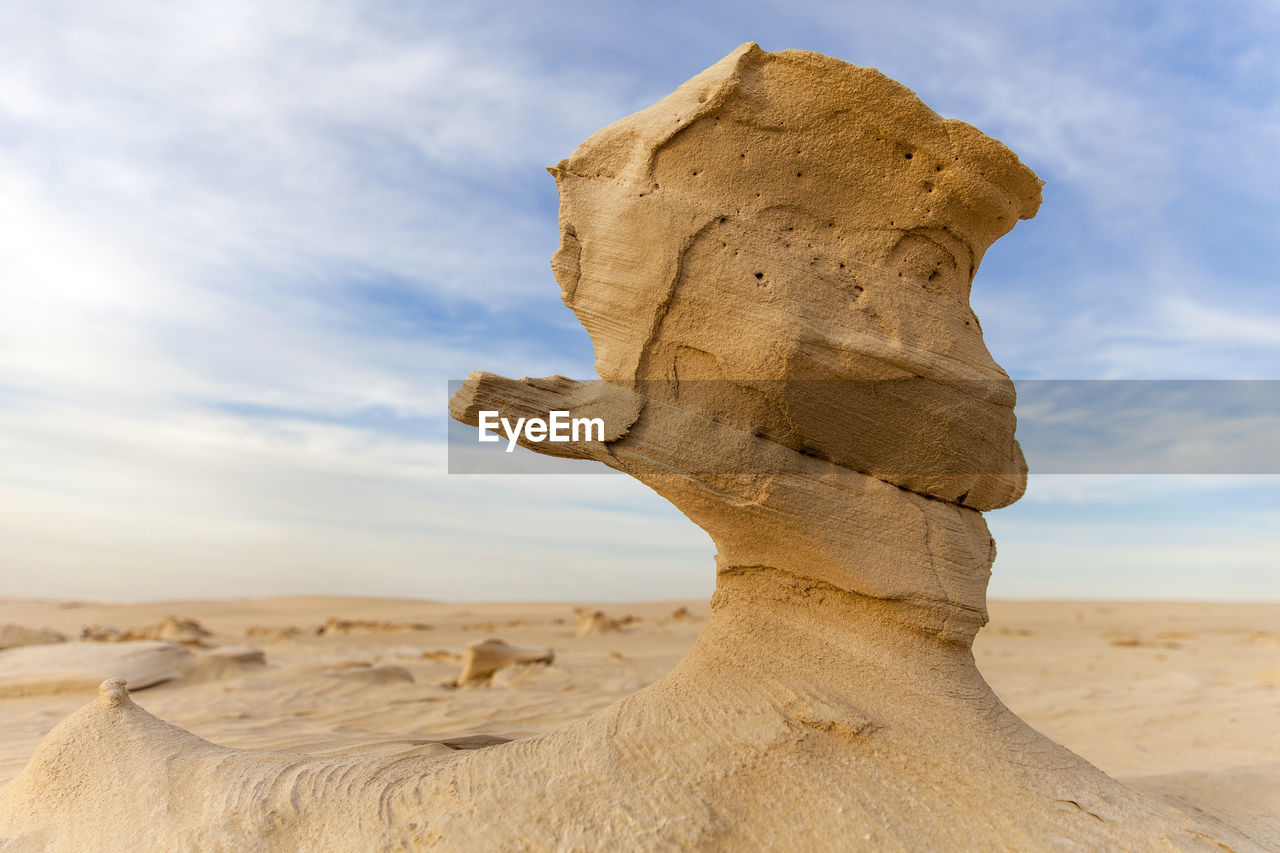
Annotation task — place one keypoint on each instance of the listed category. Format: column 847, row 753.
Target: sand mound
column 80, row 667
column 774, row 266
column 384, row 674
column 1248, row 797
column 221, row 663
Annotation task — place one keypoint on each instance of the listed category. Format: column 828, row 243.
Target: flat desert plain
column 1181, row 701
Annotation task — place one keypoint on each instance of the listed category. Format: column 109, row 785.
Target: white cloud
column 1129, row 490
column 189, row 505
column 1148, row 561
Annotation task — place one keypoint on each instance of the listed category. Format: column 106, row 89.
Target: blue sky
column 246, row 244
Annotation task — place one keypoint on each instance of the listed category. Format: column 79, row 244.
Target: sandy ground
column 1179, row 700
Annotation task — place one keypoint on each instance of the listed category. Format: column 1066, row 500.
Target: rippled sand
column 1180, row 701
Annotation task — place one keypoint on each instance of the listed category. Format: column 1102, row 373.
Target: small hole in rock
column 908, row 155
column 759, row 276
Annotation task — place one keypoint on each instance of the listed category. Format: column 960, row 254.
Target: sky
column 246, row 245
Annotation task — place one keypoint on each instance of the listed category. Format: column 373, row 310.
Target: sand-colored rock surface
column 172, row 629
column 774, row 265
column 598, row 622
column 77, row 667
column 485, row 657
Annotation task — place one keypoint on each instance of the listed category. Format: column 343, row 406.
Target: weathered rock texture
column 78, row 667
column 482, row 659
column 774, row 265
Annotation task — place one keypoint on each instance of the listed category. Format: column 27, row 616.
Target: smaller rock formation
column 482, row 659
column 593, row 622
column 335, row 626
column 80, row 667
column 273, row 635
column 185, row 632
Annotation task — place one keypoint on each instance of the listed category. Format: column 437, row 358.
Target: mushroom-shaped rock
column 485, row 657
column 774, row 264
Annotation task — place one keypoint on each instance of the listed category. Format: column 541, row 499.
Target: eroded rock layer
column 796, row 237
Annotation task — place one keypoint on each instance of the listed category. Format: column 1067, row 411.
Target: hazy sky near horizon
column 246, row 244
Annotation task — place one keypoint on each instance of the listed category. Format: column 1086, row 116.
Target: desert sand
column 1180, row 701
column 774, row 265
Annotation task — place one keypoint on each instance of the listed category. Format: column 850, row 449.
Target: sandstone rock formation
column 683, row 614
column 185, row 632
column 482, row 659
column 588, row 622
column 79, row 667
column 335, row 626
column 774, row 265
